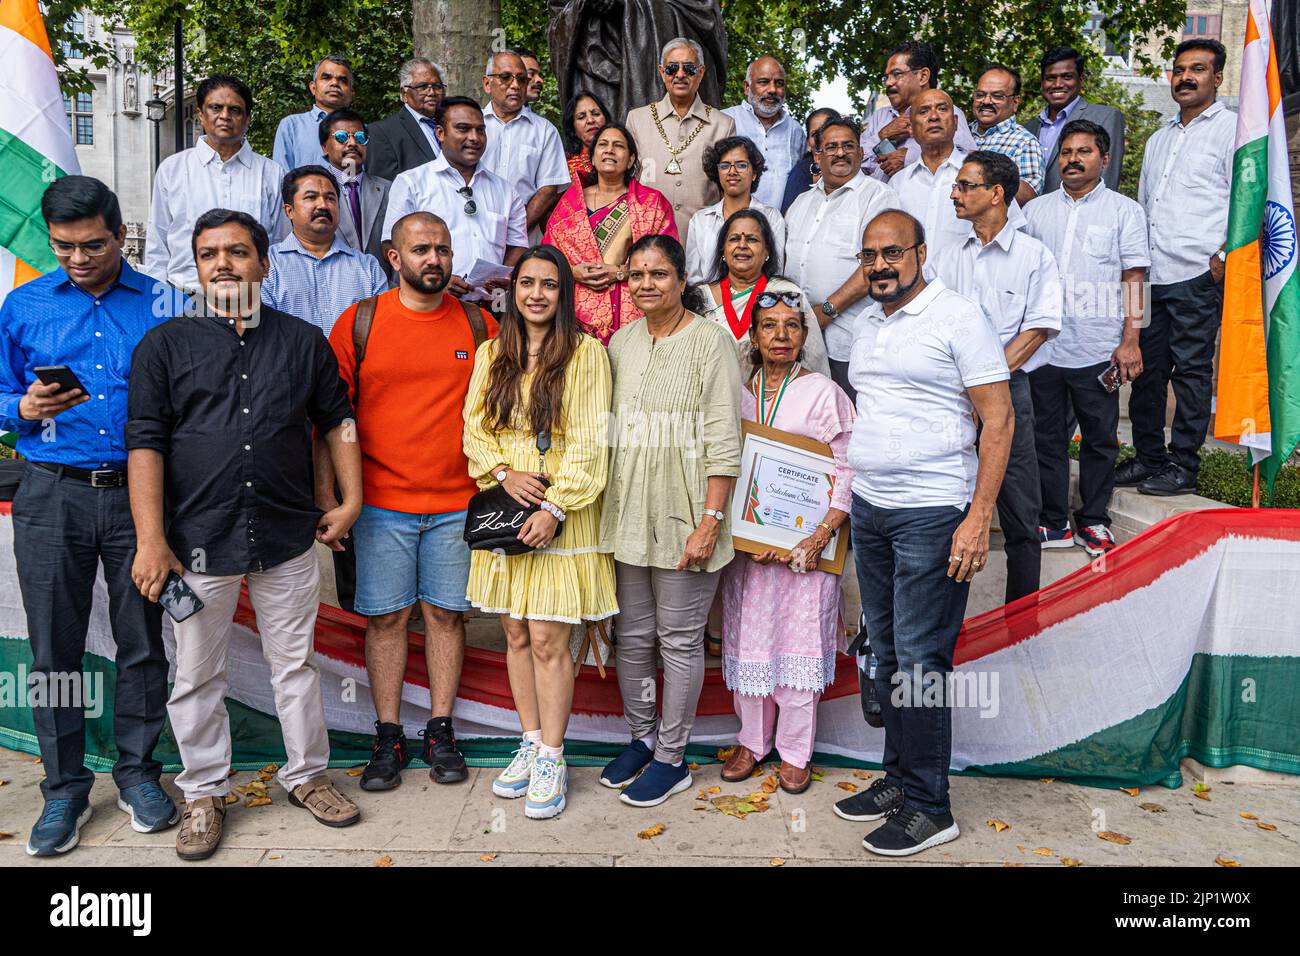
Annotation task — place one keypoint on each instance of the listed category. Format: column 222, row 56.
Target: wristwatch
column 830, row 310
column 500, row 476
column 711, row 513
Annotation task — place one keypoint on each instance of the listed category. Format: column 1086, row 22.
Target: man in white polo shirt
column 823, row 228
column 1099, row 239
column 1014, row 278
column 924, row 361
column 925, row 187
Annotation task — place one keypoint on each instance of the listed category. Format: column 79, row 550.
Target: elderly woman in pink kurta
column 780, row 616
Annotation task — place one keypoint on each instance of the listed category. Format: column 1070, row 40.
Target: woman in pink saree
column 596, row 223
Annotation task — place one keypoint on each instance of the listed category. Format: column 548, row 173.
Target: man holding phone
column 1099, row 239
column 76, row 326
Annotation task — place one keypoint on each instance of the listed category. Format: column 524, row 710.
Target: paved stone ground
column 424, row 824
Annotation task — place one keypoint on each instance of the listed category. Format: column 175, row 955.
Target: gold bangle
column 829, row 529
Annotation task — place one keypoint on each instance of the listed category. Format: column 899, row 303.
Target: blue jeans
column 913, row 612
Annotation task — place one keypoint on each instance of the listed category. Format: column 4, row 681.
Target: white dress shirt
column 823, row 236
column 1094, row 239
column 702, row 239
column 188, row 184
column 1184, row 188
column 525, row 152
column 1015, row 280
column 913, row 442
column 782, row 145
column 928, row 196
column 497, row 223
column 886, row 115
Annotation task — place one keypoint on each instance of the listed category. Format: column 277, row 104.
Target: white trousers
column 285, row 599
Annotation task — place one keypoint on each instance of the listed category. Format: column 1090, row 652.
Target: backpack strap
column 477, row 325
column 361, row 325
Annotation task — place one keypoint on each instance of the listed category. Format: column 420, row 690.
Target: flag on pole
column 1258, row 402
column 35, row 142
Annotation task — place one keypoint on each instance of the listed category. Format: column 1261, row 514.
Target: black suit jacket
column 397, row 144
column 1109, row 119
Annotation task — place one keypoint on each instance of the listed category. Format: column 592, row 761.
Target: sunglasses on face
column 690, row 69
column 768, row 299
column 509, row 79
column 471, row 206
column 341, row 136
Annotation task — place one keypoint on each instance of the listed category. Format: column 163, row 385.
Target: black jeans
column 1177, row 346
column 1020, row 498
column 1056, row 390
column 913, row 612
column 63, row 528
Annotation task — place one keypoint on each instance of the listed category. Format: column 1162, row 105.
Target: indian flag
column 35, row 143
column 1258, row 403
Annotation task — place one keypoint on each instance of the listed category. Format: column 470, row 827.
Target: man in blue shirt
column 297, row 137
column 72, row 510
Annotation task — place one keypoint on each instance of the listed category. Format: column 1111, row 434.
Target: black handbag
column 493, row 518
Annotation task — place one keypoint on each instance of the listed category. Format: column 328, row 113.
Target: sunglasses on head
column 471, row 206
column 342, row 136
column 768, row 299
column 690, row 69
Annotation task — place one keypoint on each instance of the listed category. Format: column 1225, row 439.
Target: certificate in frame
column 785, row 488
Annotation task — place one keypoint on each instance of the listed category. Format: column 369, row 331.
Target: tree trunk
column 459, row 35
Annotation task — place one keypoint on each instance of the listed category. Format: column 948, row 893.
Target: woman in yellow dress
column 541, row 375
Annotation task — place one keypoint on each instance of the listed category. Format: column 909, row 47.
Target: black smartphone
column 60, row 374
column 178, row 598
column 1110, row 378
column 883, row 148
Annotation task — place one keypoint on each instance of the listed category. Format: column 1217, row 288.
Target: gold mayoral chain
column 674, row 168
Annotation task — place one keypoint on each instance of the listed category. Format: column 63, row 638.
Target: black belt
column 97, row 478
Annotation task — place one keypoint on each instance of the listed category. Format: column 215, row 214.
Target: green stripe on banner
column 24, row 176
column 1249, row 193
column 1283, row 356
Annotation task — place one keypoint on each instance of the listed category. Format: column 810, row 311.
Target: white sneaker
column 546, row 791
column 512, row 782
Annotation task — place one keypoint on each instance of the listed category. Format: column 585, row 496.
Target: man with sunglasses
column 672, row 134
column 406, row 138
column 363, row 197
column 72, row 511
column 332, row 88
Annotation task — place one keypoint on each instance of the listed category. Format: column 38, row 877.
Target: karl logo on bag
column 491, row 521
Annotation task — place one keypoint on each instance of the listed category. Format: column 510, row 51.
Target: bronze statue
column 611, row 47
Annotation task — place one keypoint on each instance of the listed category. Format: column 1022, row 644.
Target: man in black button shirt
column 220, row 474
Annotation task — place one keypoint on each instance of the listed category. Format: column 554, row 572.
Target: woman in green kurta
column 674, row 457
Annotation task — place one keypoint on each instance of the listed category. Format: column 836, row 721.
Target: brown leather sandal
column 202, row 822
column 324, row 801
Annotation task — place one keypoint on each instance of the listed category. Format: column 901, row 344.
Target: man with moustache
column 763, row 118
column 363, row 196
column 1099, row 239
column 925, row 364
column 1184, row 189
column 409, row 379
column 483, row 212
column 821, row 240
column 925, row 187
column 806, row 171
column 910, row 69
column 220, row 473
column 1062, row 87
column 332, row 88
column 997, row 97
column 313, row 273
column 533, row 67
column 407, row 138
column 1015, row 279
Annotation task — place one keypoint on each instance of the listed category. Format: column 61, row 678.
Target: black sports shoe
column 880, row 799
column 1173, row 479
column 387, row 760
column 1132, row 472
column 909, row 831
column 446, row 763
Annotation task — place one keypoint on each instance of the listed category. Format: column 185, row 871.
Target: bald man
column 924, row 188
column 765, row 120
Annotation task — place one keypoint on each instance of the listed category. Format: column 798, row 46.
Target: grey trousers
column 665, row 611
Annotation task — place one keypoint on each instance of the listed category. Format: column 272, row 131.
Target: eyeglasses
column 423, row 88
column 341, row 136
column 766, row 300
column 893, row 76
column 510, row 79
column 93, row 249
column 471, row 206
column 834, row 149
column 965, row 186
column 891, row 254
column 998, row 97
column 740, row 167
column 690, row 69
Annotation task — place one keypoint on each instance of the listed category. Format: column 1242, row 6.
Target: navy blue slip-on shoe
column 659, row 782
column 622, row 770
column 59, row 828
column 150, row 808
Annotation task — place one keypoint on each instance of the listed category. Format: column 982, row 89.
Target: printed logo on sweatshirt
column 462, row 355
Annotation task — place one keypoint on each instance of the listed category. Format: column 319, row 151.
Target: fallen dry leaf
column 649, row 833
column 270, row 768
column 758, row 796
column 705, row 809
column 776, row 861
column 770, row 784
column 276, row 857
column 1152, row 808
column 487, row 857
column 845, row 785
column 1247, row 816
column 1224, row 861
column 997, row 825
column 1201, row 794
column 257, row 801
column 702, row 795
column 715, row 790
column 3, row 783
column 818, row 775
column 1266, row 826
column 692, row 767
column 1110, row 836
column 1131, row 791
column 232, row 798
column 1043, row 851
column 724, row 753
column 1200, row 788
column 734, row 806
column 5, row 835
column 758, row 771
column 1070, row 861
column 384, row 860
column 356, row 771
column 1047, row 780
column 1009, row 863
column 862, row 774
column 36, row 760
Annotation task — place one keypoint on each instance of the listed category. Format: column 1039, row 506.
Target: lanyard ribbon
column 740, row 323
column 770, row 417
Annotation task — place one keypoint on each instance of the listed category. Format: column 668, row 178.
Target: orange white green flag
column 1258, row 401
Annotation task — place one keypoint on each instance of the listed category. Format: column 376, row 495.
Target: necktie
column 354, row 204
column 430, row 125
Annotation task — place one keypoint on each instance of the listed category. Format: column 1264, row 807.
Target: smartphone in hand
column 64, row 376
column 178, row 598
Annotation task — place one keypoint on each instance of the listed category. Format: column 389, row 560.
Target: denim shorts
column 401, row 557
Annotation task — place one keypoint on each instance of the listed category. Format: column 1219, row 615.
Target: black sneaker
column 446, row 763
column 1132, row 472
column 909, row 831
column 880, row 799
column 1173, row 479
column 388, row 759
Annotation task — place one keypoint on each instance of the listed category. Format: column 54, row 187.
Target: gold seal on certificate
column 785, row 488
